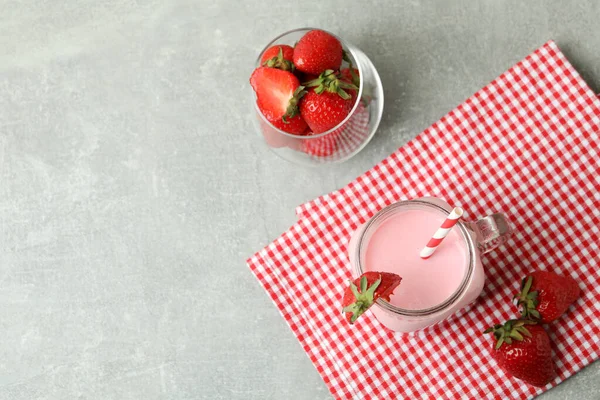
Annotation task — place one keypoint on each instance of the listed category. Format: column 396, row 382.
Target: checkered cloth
column 527, row 145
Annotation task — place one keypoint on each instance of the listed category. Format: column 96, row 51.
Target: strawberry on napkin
column 526, row 145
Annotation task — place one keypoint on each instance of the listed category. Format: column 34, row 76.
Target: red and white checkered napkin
column 528, row 144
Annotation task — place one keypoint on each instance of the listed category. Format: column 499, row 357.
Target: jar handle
column 492, row 231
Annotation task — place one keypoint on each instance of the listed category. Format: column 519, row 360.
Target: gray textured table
column 133, row 187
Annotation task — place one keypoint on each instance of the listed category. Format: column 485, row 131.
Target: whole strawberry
column 317, row 51
column 522, row 349
column 280, row 56
column 545, row 296
column 278, row 93
column 365, row 290
column 326, row 104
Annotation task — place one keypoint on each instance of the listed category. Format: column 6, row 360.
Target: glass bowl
column 347, row 138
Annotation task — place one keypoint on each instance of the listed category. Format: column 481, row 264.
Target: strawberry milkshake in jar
column 317, row 99
column 432, row 289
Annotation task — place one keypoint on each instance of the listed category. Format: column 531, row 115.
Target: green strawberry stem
column 513, row 329
column 280, row 62
column 528, row 301
column 346, row 57
column 292, row 108
column 329, row 81
column 355, row 78
column 364, row 299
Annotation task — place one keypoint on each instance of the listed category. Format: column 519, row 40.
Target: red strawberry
column 295, row 125
column 278, row 93
column 328, row 104
column 280, row 56
column 545, row 296
column 350, row 75
column 522, row 349
column 317, row 51
column 365, row 290
column 324, row 111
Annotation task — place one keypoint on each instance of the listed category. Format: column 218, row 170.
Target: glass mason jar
column 349, row 136
column 478, row 237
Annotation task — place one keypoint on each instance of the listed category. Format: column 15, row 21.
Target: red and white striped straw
column 441, row 233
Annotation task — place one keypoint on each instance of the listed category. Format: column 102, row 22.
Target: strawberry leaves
column 292, row 108
column 280, row 62
column 364, row 291
column 330, row 81
column 363, row 299
column 514, row 329
column 528, row 300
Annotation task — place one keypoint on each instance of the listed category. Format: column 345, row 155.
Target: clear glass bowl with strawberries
column 317, row 98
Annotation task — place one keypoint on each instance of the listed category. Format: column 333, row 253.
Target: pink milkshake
column 395, row 246
column 432, row 289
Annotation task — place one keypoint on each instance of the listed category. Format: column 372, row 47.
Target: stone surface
column 133, row 186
